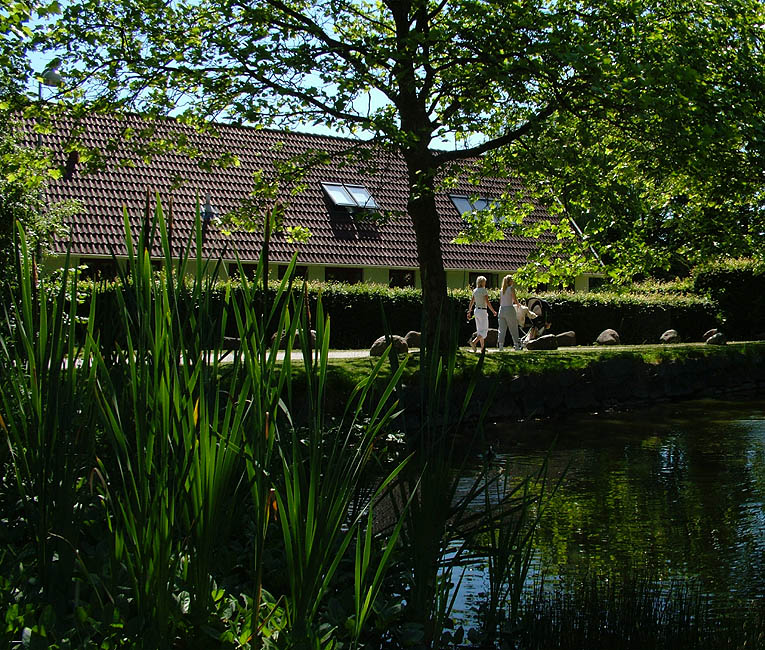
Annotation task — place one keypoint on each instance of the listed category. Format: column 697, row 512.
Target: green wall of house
column 455, row 279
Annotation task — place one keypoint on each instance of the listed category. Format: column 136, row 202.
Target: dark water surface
column 675, row 491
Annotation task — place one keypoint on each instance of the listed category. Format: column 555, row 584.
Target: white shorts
column 482, row 322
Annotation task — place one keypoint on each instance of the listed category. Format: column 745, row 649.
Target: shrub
column 637, row 318
column 356, row 311
column 738, row 289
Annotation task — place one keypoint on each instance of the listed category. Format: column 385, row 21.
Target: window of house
column 99, row 269
column 401, row 278
column 492, row 279
column 349, row 196
column 249, row 270
column 346, row 274
column 464, row 203
column 300, row 271
column 596, row 282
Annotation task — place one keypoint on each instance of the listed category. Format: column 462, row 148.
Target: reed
column 452, row 511
column 513, row 507
column 636, row 612
column 47, row 417
column 321, row 483
column 199, row 454
column 190, row 433
column 150, row 395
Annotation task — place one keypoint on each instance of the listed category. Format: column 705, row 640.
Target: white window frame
column 477, row 205
column 350, row 196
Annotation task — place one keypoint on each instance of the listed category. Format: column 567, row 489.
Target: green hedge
column 637, row 318
column 738, row 289
column 357, row 312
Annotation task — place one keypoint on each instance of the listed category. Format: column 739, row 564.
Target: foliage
column 15, row 38
column 677, row 286
column 658, row 159
column 24, row 175
column 131, row 459
column 639, row 317
column 738, row 289
column 623, row 111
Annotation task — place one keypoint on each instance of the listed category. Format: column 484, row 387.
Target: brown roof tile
column 335, row 240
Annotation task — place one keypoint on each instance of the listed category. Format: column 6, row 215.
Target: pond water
column 675, row 491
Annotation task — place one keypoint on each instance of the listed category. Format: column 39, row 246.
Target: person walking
column 480, row 299
column 507, row 317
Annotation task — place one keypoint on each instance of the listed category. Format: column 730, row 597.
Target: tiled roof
column 98, row 229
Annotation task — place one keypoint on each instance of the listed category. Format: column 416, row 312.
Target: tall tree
column 665, row 168
column 24, row 171
column 489, row 75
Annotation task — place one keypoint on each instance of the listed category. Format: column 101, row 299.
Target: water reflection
column 677, row 491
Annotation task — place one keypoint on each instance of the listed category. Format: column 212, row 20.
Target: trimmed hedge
column 637, row 318
column 738, row 289
column 357, row 311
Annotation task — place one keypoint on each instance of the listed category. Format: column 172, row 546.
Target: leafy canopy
column 643, row 118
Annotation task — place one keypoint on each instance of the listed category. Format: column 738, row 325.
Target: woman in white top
column 481, row 301
column 507, row 317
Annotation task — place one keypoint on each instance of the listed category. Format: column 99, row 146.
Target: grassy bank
column 502, row 369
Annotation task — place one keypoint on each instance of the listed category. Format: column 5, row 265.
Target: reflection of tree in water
column 674, row 496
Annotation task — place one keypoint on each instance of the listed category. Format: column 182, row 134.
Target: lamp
column 51, row 78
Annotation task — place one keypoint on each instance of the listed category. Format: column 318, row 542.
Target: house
column 333, row 200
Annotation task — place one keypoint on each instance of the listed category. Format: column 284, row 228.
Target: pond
column 675, row 491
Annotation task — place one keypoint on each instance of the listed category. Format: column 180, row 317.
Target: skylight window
column 349, row 196
column 464, row 204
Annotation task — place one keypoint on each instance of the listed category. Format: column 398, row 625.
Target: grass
column 344, row 373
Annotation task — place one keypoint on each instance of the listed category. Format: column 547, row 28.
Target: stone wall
column 620, row 383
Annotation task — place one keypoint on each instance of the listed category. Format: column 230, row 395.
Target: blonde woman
column 482, row 304
column 507, row 316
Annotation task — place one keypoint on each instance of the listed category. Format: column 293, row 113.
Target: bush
column 357, row 311
column 738, row 289
column 637, row 318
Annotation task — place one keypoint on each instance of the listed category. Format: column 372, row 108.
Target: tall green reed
column 47, row 420
column 513, row 507
column 191, row 434
column 149, row 400
column 322, row 476
column 451, row 508
column 636, row 611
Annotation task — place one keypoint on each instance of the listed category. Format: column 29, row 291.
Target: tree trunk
column 427, row 228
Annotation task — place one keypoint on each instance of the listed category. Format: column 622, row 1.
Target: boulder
column 717, row 339
column 709, row 334
column 491, row 338
column 670, row 336
column 608, row 337
column 295, row 341
column 566, row 339
column 412, row 339
column 546, row 342
column 380, row 345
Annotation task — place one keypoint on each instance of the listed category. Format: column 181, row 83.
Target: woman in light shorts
column 480, row 300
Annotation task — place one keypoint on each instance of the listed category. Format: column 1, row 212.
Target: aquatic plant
column 633, row 613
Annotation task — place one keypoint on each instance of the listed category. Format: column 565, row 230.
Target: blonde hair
column 506, row 282
column 480, row 281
